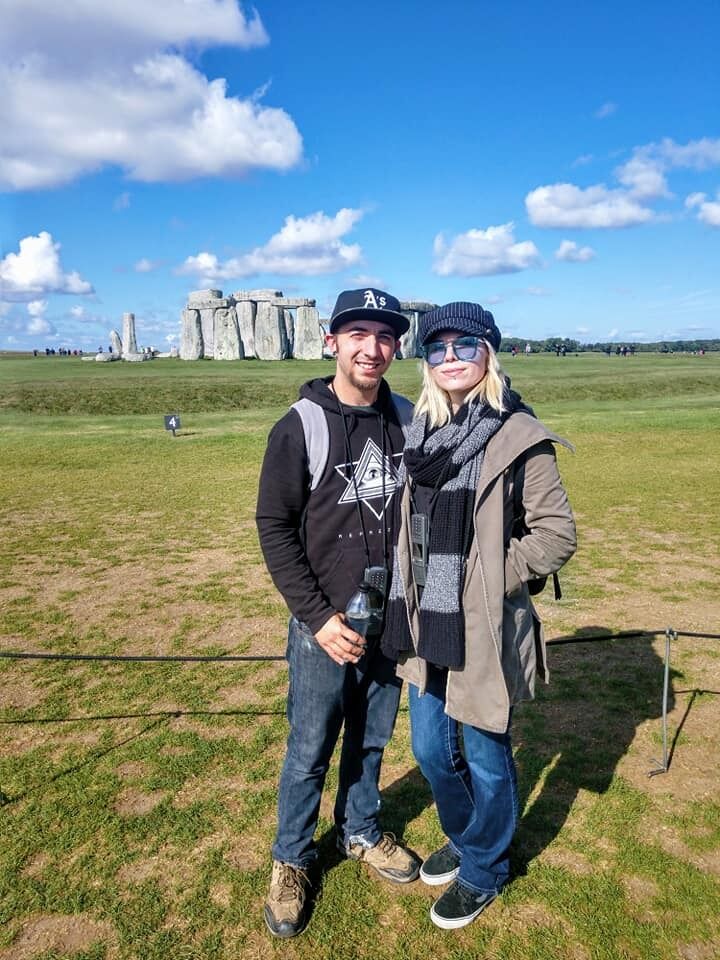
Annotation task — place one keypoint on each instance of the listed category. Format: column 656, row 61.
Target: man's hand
column 339, row 642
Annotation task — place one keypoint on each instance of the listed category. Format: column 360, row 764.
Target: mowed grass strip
column 139, row 813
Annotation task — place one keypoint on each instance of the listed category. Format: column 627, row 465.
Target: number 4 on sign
column 172, row 422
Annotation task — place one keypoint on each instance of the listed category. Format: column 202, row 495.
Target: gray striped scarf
column 448, row 460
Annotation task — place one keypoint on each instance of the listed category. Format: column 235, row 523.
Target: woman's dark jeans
column 474, row 786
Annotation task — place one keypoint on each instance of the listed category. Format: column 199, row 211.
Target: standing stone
column 228, row 345
column 309, row 338
column 289, row 332
column 270, row 333
column 246, row 310
column 116, row 343
column 207, row 325
column 207, row 302
column 414, row 310
column 129, row 344
column 191, row 338
column 408, row 341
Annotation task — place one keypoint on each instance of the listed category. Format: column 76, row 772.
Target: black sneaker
column 440, row 867
column 459, row 906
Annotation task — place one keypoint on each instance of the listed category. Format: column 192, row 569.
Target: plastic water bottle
column 360, row 610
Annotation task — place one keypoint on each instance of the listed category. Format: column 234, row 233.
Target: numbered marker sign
column 172, row 422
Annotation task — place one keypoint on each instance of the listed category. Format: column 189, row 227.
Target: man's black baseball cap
column 369, row 304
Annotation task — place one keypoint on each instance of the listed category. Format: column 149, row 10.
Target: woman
column 483, row 512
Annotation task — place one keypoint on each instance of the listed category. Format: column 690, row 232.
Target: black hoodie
column 313, row 541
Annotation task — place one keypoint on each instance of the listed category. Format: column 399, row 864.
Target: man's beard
column 366, row 386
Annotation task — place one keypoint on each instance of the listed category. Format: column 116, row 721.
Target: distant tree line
column 552, row 344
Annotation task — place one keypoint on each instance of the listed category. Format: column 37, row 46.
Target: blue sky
column 557, row 162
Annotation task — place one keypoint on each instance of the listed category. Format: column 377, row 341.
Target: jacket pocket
column 519, row 648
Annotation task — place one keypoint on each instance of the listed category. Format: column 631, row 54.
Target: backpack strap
column 317, row 433
column 317, row 437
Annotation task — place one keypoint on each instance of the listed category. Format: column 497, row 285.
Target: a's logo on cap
column 372, row 301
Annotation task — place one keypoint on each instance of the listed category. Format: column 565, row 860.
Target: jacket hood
column 319, row 392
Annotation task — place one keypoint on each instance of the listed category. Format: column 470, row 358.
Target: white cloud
column 582, row 330
column 36, row 308
column 36, row 270
column 612, row 333
column 119, row 92
column 583, row 160
column 538, row 291
column 572, row 253
column 122, row 201
column 133, row 26
column 480, row 253
column 700, row 154
column 78, row 312
column 39, row 325
column 494, row 299
column 643, row 177
column 708, row 211
column 606, row 110
column 565, row 205
column 366, row 280
column 144, row 265
column 306, row 246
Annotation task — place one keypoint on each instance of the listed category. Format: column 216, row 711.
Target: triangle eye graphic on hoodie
column 368, row 471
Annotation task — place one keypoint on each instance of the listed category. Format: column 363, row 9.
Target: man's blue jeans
column 474, row 786
column 323, row 695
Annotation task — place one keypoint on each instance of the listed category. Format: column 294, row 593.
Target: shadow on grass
column 695, row 693
column 92, row 757
column 161, row 716
column 580, row 727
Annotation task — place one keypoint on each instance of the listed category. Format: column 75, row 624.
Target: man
column 324, row 516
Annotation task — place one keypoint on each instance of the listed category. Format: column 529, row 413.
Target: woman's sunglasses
column 464, row 348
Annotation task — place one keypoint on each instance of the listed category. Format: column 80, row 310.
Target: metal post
column 670, row 634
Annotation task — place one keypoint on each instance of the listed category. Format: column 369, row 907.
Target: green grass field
column 138, row 799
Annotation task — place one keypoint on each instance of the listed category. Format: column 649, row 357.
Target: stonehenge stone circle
column 247, row 324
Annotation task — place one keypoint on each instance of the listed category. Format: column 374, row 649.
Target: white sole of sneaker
column 437, row 879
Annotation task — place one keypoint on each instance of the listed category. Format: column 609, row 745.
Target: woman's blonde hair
column 436, row 402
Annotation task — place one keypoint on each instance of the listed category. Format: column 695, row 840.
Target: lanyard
column 351, row 466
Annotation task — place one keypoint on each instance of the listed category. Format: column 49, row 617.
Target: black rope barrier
column 232, row 658
column 132, row 658
column 669, row 633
